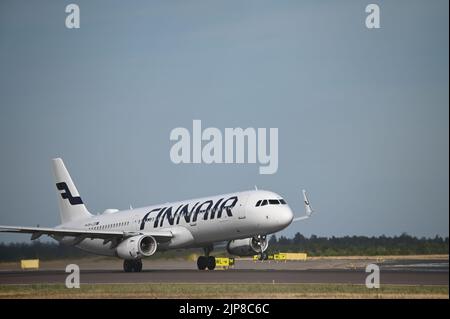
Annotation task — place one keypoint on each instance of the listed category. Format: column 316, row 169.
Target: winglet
column 308, row 208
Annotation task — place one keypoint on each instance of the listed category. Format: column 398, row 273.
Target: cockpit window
column 264, row 202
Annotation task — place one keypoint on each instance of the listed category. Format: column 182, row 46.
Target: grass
column 180, row 290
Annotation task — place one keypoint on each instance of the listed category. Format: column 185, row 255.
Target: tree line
column 38, row 250
column 313, row 246
column 359, row 245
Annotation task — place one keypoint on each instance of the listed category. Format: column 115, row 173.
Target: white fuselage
column 194, row 223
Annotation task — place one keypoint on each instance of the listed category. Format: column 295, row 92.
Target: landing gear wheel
column 137, row 266
column 132, row 265
column 202, row 262
column 128, row 265
column 211, row 262
column 263, row 256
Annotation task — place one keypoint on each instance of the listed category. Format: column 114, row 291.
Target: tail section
column 71, row 206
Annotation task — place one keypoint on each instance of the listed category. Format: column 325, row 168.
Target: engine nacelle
column 137, row 247
column 247, row 246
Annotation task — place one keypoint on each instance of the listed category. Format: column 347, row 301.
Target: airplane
column 242, row 220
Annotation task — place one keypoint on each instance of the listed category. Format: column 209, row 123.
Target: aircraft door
column 241, row 206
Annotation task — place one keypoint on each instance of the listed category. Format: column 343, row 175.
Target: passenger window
column 258, row 203
column 264, row 202
column 274, row 202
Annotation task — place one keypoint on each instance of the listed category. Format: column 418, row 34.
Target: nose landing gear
column 261, row 244
column 206, row 261
column 132, row 265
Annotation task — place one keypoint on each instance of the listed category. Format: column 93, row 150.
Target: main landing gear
column 263, row 256
column 132, row 265
column 206, row 261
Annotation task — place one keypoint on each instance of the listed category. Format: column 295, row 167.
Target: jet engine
column 247, row 246
column 137, row 247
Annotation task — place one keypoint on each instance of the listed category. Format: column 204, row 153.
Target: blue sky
column 362, row 114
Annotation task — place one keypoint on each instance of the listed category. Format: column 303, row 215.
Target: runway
column 321, row 272
column 226, row 276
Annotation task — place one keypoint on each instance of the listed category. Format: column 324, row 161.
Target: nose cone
column 285, row 216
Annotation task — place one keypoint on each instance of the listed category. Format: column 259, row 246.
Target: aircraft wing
column 296, row 219
column 36, row 232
